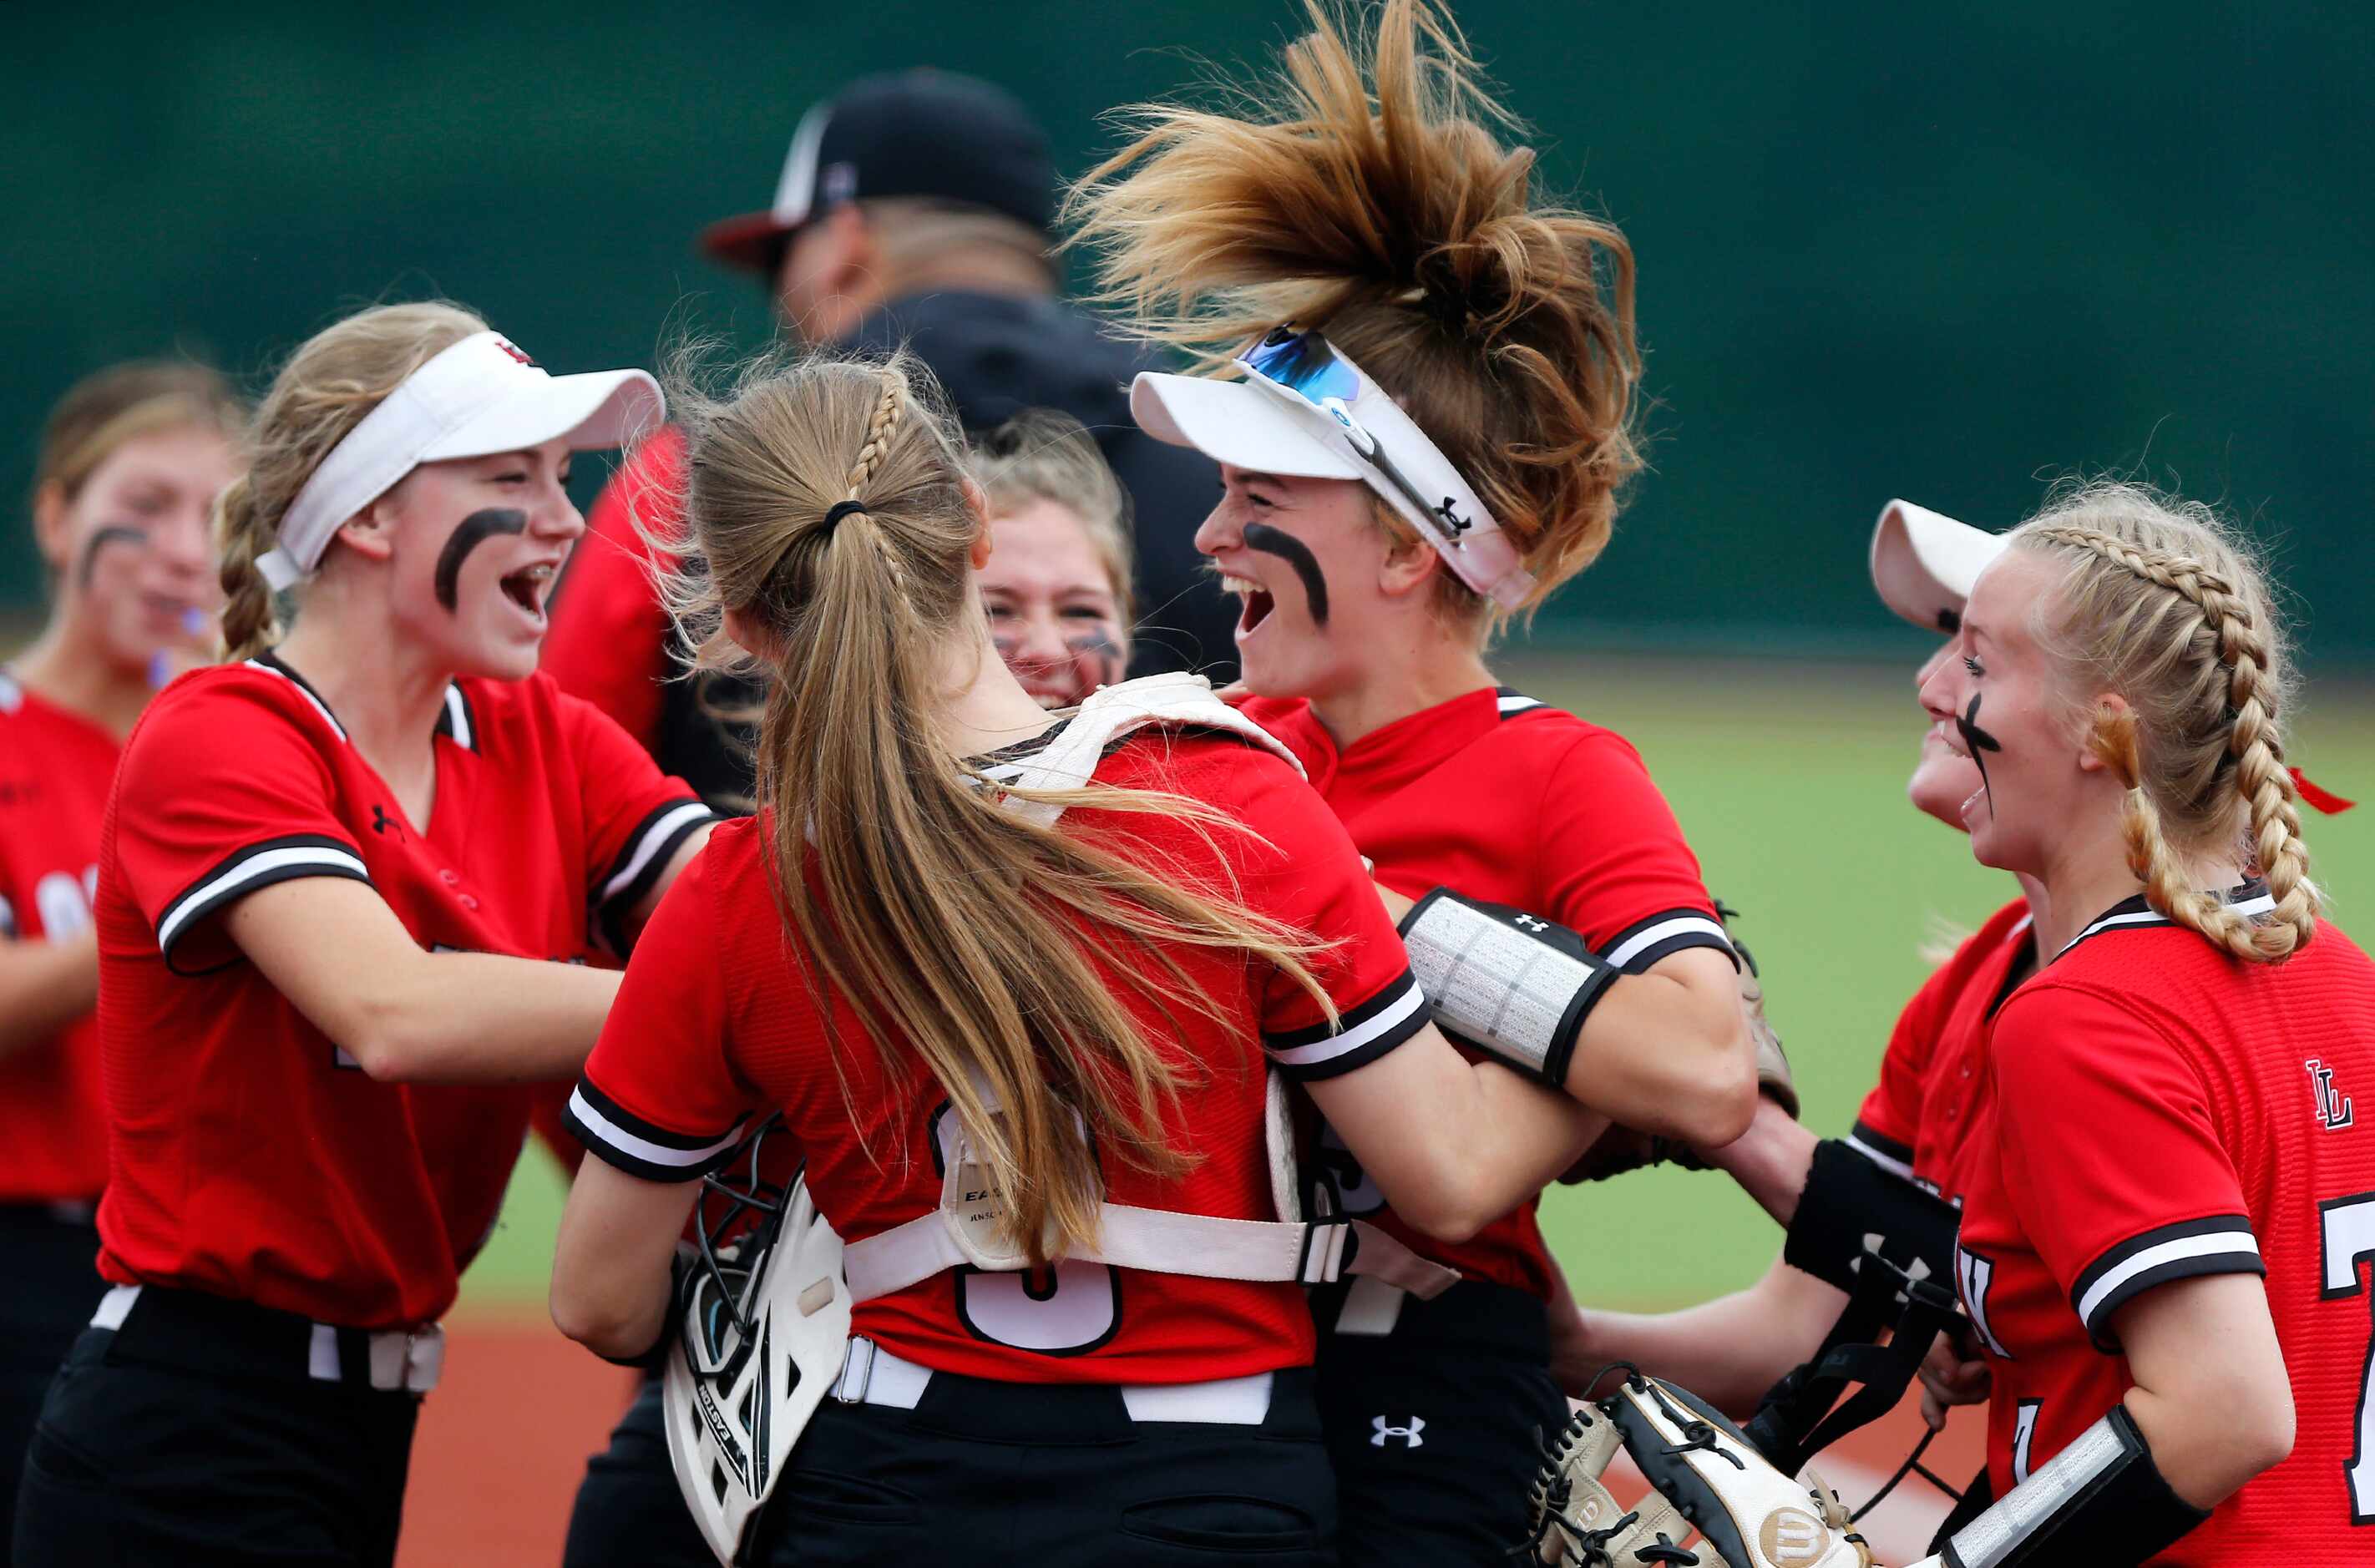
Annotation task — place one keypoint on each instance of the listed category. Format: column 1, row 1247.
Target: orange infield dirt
column 505, row 1437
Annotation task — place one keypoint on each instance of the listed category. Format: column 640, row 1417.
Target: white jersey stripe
column 649, row 844
column 458, row 718
column 1887, row 1163
column 2216, row 1244
column 1665, row 930
column 207, row 895
column 643, row 1149
column 2262, row 905
column 1385, row 1021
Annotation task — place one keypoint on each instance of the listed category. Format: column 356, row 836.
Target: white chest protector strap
column 964, row 1230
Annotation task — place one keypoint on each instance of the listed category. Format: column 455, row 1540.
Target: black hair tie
column 842, row 509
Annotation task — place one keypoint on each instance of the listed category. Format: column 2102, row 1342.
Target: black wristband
column 1848, row 1198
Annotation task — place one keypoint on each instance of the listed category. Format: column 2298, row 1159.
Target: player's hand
column 1949, row 1378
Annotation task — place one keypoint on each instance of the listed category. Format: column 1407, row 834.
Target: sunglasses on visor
column 1302, row 363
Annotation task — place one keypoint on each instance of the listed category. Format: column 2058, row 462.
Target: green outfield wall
column 1945, row 251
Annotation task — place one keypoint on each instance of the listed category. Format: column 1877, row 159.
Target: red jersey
column 717, row 1023
column 608, row 640
column 2161, row 1111
column 1497, row 797
column 56, row 767
column 251, row 1157
column 1914, row 1121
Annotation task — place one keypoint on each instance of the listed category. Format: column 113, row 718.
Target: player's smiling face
column 1052, row 611
column 132, row 551
column 1944, row 777
column 1305, row 559
column 2003, row 698
column 475, row 545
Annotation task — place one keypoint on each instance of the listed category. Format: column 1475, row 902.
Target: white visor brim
column 1924, row 564
column 590, row 411
column 1239, row 424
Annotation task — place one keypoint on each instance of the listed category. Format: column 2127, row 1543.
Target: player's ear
column 50, row 526
column 1409, row 565
column 370, row 532
column 752, row 636
column 977, row 503
column 2101, row 741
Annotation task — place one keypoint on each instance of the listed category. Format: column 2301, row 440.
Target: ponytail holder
column 2316, row 798
column 842, row 509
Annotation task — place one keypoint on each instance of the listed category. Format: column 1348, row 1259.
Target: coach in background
column 913, row 208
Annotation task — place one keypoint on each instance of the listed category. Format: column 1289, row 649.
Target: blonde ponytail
column 2163, row 606
column 969, row 941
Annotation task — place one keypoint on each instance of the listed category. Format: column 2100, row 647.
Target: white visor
column 1924, row 564
column 476, row 398
column 1260, row 426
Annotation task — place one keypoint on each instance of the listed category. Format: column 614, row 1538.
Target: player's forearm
column 1453, row 1144
column 1667, row 1054
column 1729, row 1350
column 1770, row 1161
column 43, row 987
column 479, row 1018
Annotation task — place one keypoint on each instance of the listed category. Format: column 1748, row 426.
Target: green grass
column 1789, row 779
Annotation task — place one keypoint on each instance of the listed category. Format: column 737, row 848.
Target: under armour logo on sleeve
column 1409, row 1434
column 1531, row 922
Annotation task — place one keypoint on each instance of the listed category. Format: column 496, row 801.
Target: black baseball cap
column 919, row 133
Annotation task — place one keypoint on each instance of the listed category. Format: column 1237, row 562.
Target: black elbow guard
column 1513, row 984
column 2101, row 1501
column 1853, row 1205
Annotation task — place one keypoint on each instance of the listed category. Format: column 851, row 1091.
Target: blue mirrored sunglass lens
column 1304, row 363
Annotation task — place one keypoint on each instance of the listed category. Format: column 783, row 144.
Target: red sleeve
column 608, row 640
column 2112, row 1158
column 224, row 789
column 1302, row 869
column 1615, row 868
column 637, row 817
column 659, row 1098
column 1887, row 1126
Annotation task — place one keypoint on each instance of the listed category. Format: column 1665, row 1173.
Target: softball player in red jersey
column 941, row 986
column 2164, row 1233
column 129, row 464
column 1427, row 437
column 1914, row 1124
column 1055, row 591
column 329, row 878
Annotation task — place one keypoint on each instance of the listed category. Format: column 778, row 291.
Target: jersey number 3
column 2348, row 1227
column 1067, row 1309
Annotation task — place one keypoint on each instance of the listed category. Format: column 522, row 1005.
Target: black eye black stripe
column 467, row 535
column 1295, row 553
column 1979, row 742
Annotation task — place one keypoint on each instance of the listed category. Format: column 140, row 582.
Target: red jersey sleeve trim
column 1642, row 944
column 1359, row 1036
column 648, row 850
column 618, row 1137
column 259, row 864
column 1882, row 1151
column 2223, row 1244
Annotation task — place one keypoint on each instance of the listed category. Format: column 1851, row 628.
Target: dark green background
column 1946, row 251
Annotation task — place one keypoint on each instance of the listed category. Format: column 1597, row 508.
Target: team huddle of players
column 1073, row 1119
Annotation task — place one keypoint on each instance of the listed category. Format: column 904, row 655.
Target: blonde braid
column 878, row 431
column 2254, row 741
